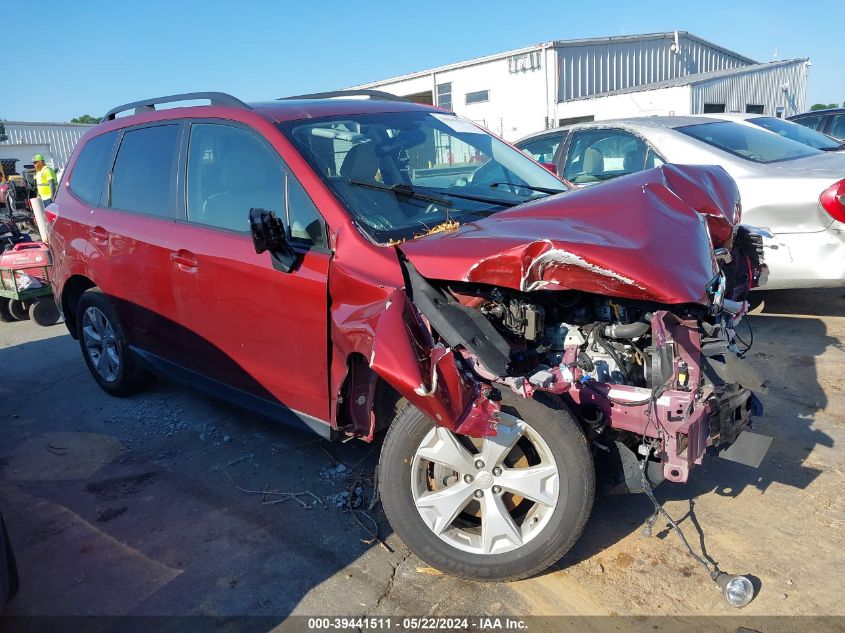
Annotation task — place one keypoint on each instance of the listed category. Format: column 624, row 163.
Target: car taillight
column 833, row 200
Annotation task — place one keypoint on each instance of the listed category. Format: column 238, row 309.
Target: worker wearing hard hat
column 45, row 180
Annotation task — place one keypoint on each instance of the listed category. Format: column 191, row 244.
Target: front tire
column 105, row 349
column 502, row 508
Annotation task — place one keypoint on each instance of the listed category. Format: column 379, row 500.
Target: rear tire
column 44, row 312
column 104, row 347
column 5, row 314
column 484, row 529
column 19, row 310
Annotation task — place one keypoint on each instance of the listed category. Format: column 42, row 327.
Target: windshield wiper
column 551, row 192
column 466, row 196
column 414, row 192
column 402, row 190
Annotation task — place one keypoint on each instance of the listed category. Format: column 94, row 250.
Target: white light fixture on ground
column 738, row 590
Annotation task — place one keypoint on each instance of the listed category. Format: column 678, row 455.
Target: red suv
column 356, row 265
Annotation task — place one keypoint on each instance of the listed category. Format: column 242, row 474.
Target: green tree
column 85, row 118
column 822, row 106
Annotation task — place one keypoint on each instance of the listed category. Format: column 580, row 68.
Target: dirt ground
column 168, row 503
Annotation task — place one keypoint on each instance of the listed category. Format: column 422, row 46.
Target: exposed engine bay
column 631, row 369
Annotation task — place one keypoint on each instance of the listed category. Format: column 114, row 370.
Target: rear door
column 129, row 235
column 251, row 327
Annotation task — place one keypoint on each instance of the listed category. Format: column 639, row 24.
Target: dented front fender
column 380, row 323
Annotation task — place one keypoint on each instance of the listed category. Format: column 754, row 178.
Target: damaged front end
column 623, row 300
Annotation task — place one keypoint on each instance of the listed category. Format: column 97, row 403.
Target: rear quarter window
column 89, row 172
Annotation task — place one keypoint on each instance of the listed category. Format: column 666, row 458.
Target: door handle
column 184, row 258
column 98, row 233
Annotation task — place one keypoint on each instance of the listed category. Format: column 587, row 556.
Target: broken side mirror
column 268, row 234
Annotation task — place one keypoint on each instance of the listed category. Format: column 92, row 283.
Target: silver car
column 793, row 190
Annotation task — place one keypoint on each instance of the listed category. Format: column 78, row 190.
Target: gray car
column 831, row 121
column 795, row 191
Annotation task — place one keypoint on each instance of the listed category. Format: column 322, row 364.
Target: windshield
column 406, row 174
column 795, row 132
column 748, row 143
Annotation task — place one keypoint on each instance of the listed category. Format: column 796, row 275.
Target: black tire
column 553, row 421
column 756, row 299
column 44, row 312
column 9, row 580
column 19, row 310
column 5, row 314
column 129, row 376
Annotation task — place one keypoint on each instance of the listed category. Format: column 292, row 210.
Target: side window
column 231, row 171
column 444, row 95
column 813, row 122
column 306, row 224
column 542, row 149
column 89, row 171
column 837, row 126
column 144, row 171
column 596, row 155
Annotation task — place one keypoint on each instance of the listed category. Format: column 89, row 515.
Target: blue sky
column 92, row 55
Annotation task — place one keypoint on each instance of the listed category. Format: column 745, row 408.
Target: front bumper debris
column 685, row 421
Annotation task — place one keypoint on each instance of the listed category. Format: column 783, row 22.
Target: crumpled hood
column 643, row 236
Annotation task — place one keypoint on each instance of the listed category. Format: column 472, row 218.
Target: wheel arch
column 367, row 403
column 71, row 292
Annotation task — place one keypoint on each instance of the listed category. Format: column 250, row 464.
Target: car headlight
column 738, row 590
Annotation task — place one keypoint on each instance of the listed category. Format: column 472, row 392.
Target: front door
column 259, row 330
column 599, row 154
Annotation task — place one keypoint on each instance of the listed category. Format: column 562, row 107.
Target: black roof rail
column 216, row 98
column 378, row 95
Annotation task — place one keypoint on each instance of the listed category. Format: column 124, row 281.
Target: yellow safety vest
column 42, row 181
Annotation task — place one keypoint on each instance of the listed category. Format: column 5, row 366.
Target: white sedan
column 795, row 191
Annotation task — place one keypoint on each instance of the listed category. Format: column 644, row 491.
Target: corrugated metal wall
column 60, row 137
column 589, row 69
column 761, row 87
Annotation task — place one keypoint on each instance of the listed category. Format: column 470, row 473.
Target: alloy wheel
column 489, row 496
column 100, row 344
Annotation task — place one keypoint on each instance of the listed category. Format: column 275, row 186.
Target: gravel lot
column 170, row 503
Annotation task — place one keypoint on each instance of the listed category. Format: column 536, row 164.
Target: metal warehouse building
column 523, row 91
column 55, row 140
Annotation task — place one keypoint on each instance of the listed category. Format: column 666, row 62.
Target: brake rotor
column 441, row 476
